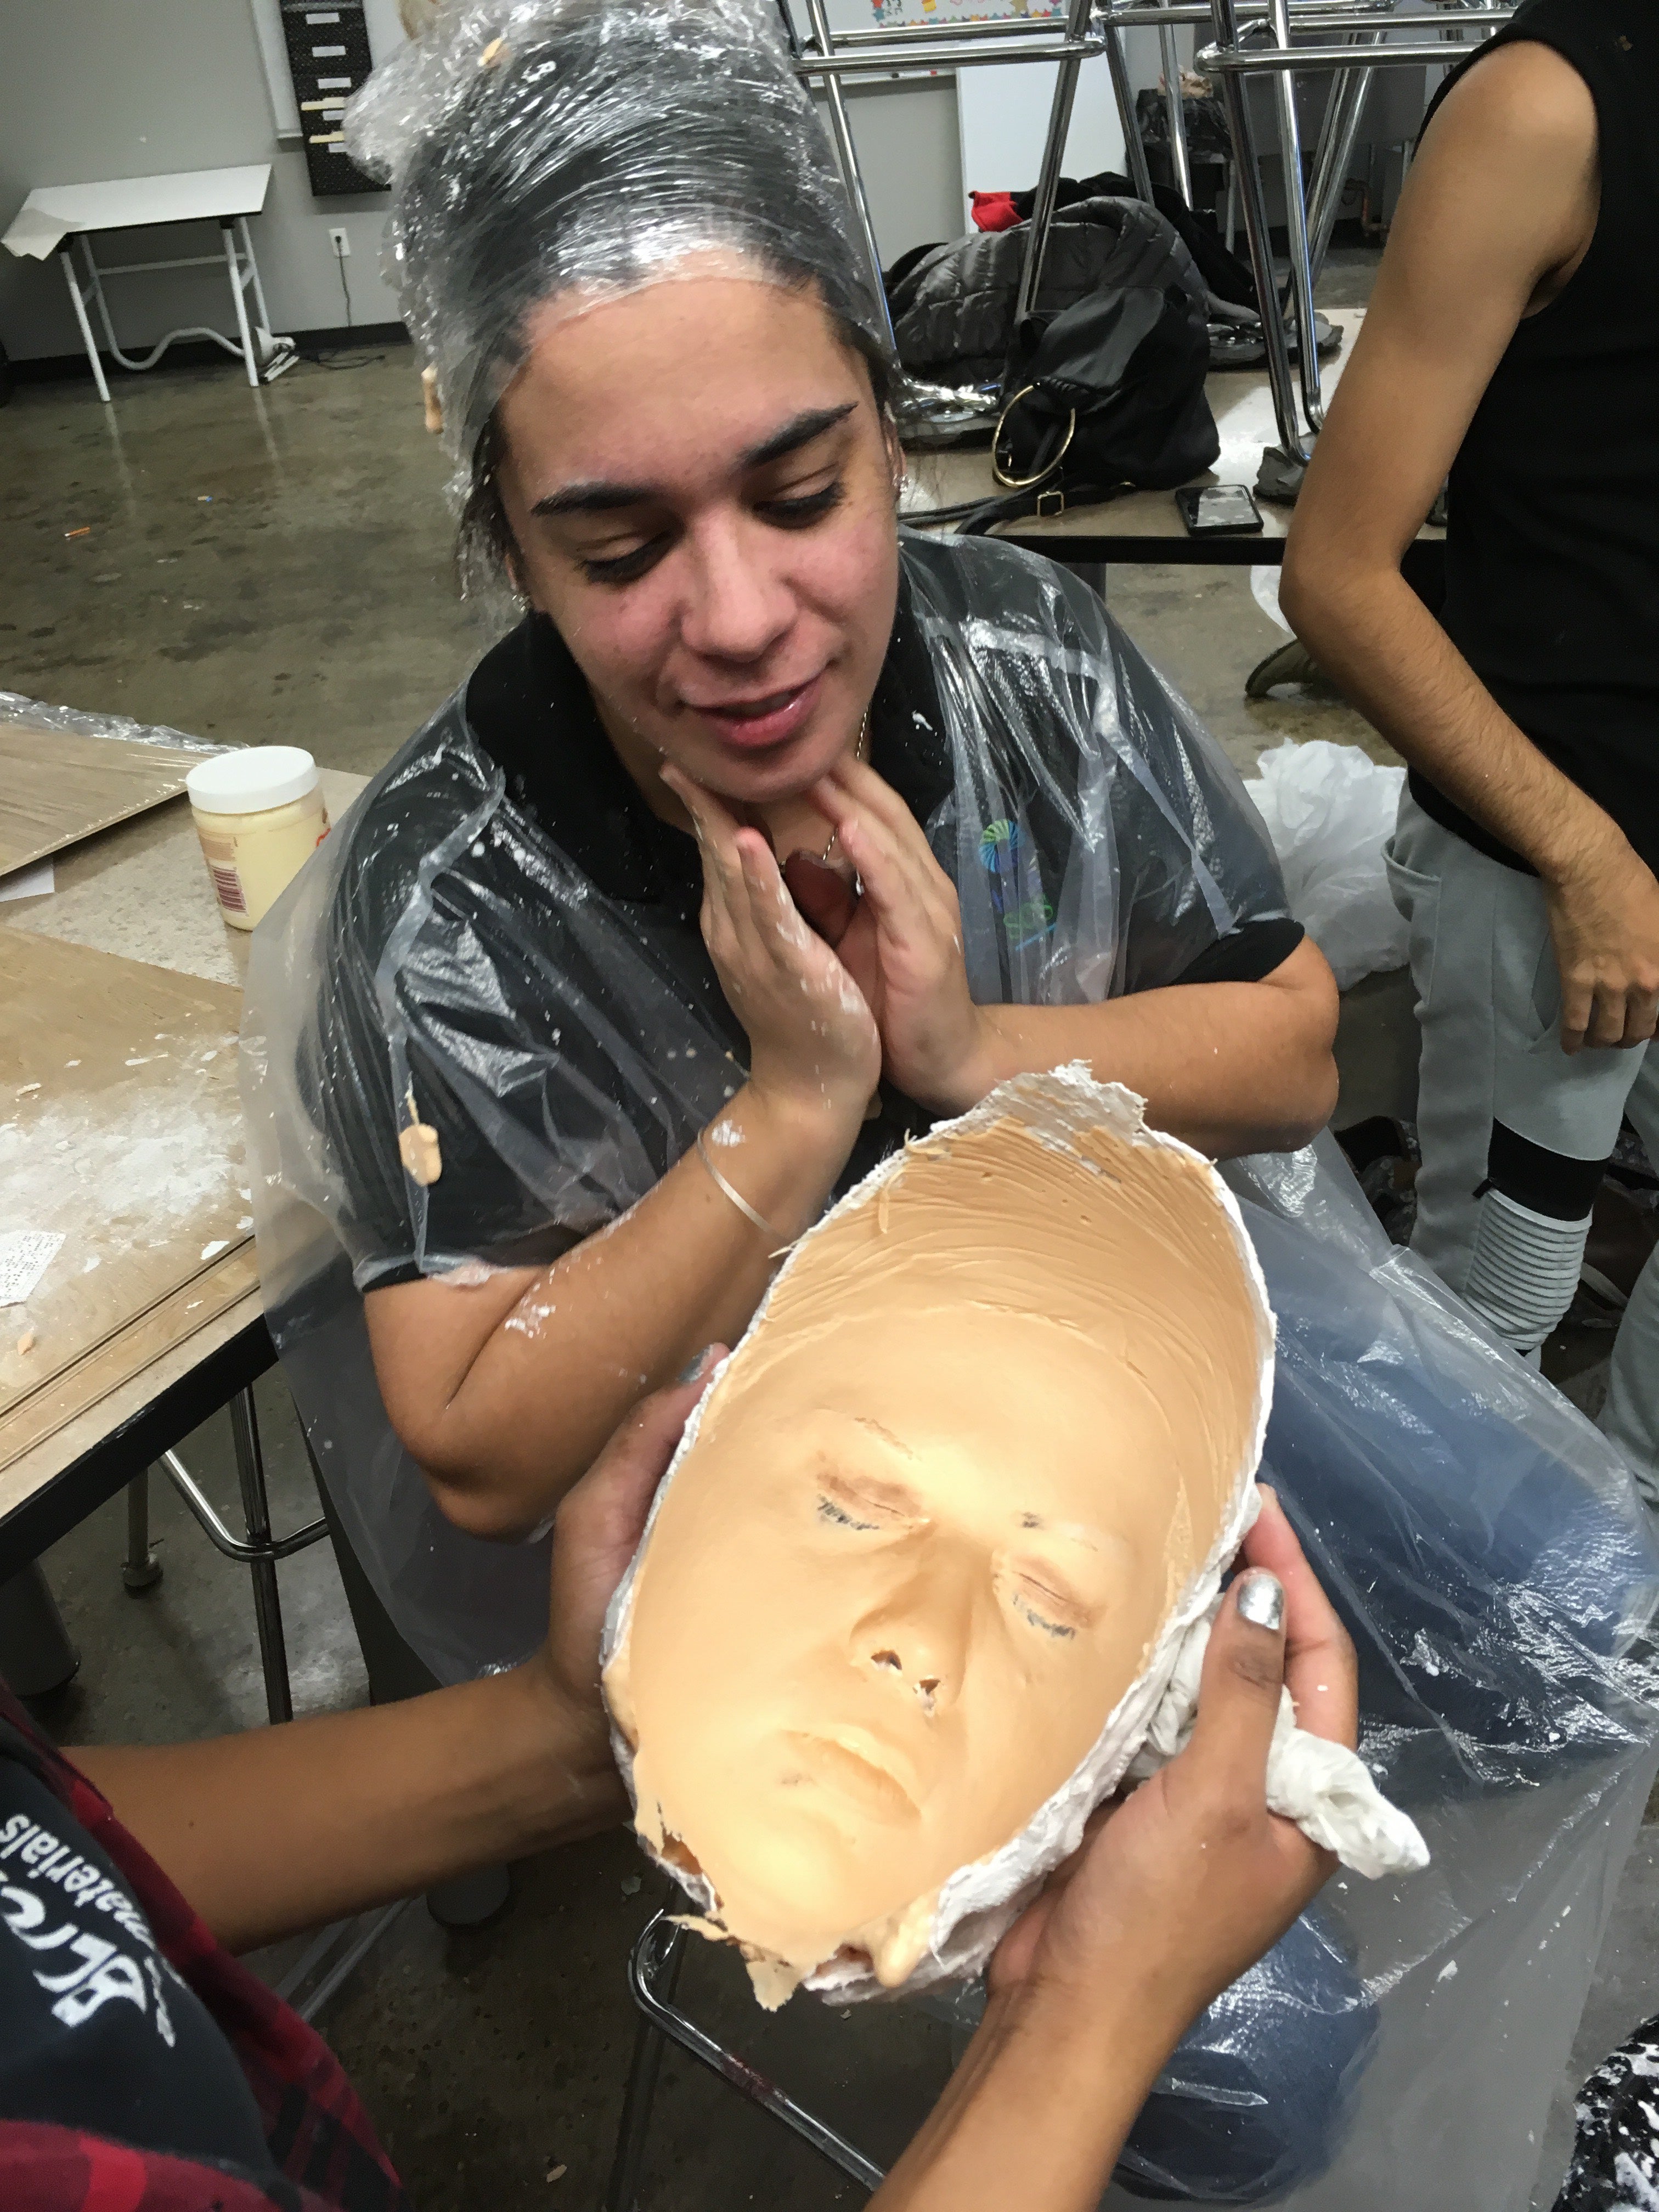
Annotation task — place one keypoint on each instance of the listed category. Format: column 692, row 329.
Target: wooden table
column 141, row 1378
column 1145, row 526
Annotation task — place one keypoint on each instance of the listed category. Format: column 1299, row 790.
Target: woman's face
column 702, row 494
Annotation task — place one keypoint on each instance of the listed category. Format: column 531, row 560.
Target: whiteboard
column 385, row 34
column 961, row 11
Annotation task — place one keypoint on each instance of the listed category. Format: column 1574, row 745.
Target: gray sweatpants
column 1513, row 1130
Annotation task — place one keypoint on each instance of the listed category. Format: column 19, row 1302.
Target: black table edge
column 109, row 1464
column 1068, row 546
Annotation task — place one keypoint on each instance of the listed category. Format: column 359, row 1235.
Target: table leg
column 141, row 1570
column 1054, row 153
column 87, row 339
column 267, row 1602
column 841, row 131
column 36, row 1654
column 238, row 283
column 253, row 272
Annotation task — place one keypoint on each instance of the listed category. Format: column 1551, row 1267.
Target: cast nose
column 917, row 1636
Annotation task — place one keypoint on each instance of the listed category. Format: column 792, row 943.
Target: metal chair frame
column 653, row 1972
column 1089, row 27
column 257, row 1548
column 1310, row 214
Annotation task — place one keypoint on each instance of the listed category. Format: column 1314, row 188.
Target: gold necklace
column 858, row 755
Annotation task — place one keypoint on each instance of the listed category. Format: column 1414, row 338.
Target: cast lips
column 856, row 1767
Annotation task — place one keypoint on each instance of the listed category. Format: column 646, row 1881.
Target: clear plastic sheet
column 571, row 1045
column 536, row 148
column 15, row 708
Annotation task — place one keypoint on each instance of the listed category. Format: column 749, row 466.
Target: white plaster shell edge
column 978, row 1903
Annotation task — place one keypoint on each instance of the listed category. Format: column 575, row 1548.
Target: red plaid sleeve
column 316, row 2128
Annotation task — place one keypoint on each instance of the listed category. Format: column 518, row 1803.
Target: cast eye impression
column 863, row 1505
column 1059, row 1578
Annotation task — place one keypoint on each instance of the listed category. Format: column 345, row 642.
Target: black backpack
column 1101, row 383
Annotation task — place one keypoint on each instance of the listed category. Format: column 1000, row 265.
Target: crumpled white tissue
column 1325, row 1788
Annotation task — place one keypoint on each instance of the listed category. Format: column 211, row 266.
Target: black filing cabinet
column 328, row 58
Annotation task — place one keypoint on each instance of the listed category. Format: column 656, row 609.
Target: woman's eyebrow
column 592, row 498
column 601, row 497
column 799, row 431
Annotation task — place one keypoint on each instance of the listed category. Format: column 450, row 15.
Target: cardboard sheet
column 121, row 1130
column 57, row 787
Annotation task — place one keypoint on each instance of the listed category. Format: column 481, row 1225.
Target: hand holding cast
column 1188, row 1881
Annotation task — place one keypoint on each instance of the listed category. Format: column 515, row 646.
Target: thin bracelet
column 736, row 1196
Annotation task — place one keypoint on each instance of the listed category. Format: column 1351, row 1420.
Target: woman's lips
column 769, row 719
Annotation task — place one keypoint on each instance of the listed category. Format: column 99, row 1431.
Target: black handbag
column 1104, row 389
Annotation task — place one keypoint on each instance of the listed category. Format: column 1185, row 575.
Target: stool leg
column 141, row 1570
column 633, row 2129
column 267, row 1604
column 36, row 1654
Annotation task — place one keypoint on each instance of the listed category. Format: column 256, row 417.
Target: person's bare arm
column 1230, row 1068
column 287, row 1828
column 1500, row 206
column 1169, row 1900
column 503, row 1390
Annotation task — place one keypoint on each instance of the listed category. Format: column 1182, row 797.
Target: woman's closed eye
column 799, row 510
column 626, row 567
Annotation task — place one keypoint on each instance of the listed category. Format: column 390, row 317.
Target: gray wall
column 92, row 89
column 910, row 157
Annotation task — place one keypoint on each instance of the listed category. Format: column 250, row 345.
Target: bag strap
column 1046, row 500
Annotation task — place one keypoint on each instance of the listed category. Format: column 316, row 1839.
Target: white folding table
column 55, row 218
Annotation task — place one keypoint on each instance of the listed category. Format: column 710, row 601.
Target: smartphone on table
column 1218, row 510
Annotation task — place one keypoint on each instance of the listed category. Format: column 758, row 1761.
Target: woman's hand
column 812, row 1037
column 902, row 944
column 1190, row 1880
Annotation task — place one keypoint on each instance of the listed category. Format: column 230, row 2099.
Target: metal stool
column 256, row 1549
column 653, row 1973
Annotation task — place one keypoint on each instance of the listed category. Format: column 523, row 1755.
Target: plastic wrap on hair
column 536, row 147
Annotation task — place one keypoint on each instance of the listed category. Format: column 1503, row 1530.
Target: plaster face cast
column 939, row 1514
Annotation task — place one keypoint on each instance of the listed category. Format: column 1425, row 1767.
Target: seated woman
column 556, row 931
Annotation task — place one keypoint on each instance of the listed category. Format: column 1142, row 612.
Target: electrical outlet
column 341, row 243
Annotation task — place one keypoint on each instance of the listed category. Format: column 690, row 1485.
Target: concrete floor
column 274, row 567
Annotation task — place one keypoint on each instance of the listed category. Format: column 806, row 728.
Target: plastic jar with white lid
column 259, row 814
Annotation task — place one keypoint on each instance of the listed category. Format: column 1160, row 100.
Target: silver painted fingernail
column 696, row 1367
column 1261, row 1600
